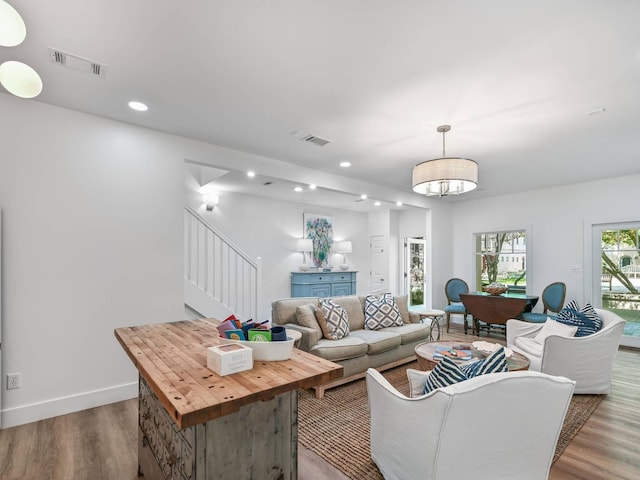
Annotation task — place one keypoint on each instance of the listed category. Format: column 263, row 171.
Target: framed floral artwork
column 319, row 228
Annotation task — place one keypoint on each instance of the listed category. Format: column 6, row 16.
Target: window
column 502, row 257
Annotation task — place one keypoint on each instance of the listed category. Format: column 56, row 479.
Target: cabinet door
column 320, row 290
column 340, row 289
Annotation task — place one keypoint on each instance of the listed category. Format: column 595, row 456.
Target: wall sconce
column 304, row 245
column 343, row 248
column 210, row 201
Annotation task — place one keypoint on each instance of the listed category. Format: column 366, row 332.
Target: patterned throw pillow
column 586, row 318
column 495, row 362
column 381, row 312
column 445, row 373
column 333, row 320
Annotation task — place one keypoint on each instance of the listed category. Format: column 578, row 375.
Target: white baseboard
column 64, row 405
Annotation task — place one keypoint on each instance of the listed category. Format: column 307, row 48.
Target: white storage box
column 266, row 351
column 230, row 358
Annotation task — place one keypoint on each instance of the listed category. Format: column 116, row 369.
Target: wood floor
column 101, row 443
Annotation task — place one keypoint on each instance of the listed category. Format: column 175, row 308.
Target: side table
column 435, row 316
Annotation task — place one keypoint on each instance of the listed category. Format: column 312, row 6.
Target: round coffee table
column 424, row 353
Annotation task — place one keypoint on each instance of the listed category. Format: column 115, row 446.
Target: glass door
column 616, row 272
column 415, row 271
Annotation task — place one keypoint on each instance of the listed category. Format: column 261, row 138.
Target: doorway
column 415, row 271
column 616, row 274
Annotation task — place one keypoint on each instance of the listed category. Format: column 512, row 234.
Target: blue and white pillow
column 381, row 312
column 445, row 373
column 495, row 362
column 333, row 319
column 586, row 318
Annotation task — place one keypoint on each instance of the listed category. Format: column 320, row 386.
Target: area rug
column 336, row 427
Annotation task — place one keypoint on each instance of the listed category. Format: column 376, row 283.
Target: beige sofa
column 361, row 349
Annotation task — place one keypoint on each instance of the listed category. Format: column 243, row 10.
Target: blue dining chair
column 452, row 290
column 552, row 301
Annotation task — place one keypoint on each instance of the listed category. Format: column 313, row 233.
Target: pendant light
column 446, row 175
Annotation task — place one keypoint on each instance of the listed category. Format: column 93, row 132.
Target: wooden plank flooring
column 101, row 443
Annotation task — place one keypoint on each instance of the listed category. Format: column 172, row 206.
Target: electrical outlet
column 14, row 380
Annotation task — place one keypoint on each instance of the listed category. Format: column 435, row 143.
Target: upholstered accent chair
column 553, row 297
column 453, row 288
column 499, row 426
column 586, row 360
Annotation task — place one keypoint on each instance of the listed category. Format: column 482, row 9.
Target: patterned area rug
column 337, row 426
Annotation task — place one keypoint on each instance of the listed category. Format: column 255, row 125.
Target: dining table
column 496, row 309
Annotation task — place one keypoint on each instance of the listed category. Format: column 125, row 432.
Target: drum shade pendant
column 445, row 176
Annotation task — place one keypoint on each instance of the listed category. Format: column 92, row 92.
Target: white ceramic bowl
column 266, row 351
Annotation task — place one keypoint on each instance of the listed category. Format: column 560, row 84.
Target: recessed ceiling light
column 312, row 186
column 138, row 106
column 20, row 79
column 377, row 204
column 251, row 174
column 398, row 204
column 363, row 196
column 345, row 164
column 297, row 189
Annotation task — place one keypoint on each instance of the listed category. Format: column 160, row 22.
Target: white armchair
column 499, row 426
column 586, row 360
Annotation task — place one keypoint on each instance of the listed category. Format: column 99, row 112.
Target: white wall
column 556, row 219
column 92, row 240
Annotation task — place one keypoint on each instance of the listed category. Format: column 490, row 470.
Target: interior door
column 379, row 263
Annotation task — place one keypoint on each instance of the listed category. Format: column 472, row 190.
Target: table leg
column 435, row 327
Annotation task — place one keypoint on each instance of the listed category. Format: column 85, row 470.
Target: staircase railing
column 219, row 278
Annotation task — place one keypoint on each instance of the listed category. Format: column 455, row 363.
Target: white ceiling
column 514, row 78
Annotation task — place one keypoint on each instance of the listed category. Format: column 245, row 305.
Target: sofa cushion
column 445, row 373
column 529, row 346
column 403, row 307
column 333, row 319
column 381, row 312
column 410, row 332
column 351, row 303
column 343, row 349
column 417, row 379
column 306, row 316
column 551, row 327
column 586, row 318
column 378, row 341
column 284, row 311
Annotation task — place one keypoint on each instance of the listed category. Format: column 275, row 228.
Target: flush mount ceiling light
column 345, row 164
column 445, row 176
column 16, row 77
column 20, row 79
column 12, row 27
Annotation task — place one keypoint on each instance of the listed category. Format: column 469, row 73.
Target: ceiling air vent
column 319, row 141
column 77, row 63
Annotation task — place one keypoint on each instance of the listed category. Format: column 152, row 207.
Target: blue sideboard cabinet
column 323, row 284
